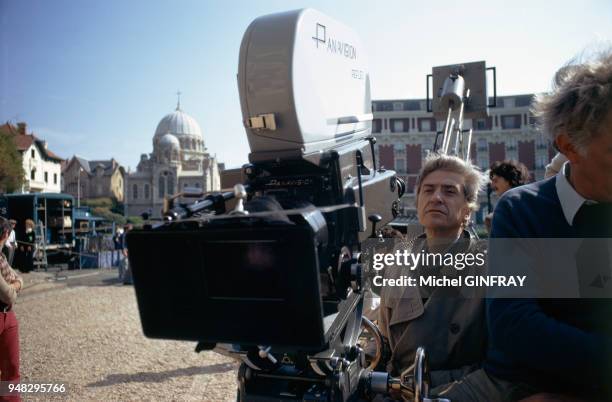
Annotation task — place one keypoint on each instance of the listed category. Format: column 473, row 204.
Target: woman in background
column 504, row 176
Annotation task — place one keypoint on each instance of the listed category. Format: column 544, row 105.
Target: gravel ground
column 90, row 338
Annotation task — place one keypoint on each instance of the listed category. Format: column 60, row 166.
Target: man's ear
column 567, row 148
column 467, row 213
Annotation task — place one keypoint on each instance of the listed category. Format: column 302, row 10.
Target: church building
column 179, row 160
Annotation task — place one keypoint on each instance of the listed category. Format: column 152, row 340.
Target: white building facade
column 179, row 160
column 43, row 173
column 42, row 169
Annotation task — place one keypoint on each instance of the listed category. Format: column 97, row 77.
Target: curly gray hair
column 580, row 101
column 474, row 179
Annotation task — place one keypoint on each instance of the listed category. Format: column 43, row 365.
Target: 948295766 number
column 34, row 388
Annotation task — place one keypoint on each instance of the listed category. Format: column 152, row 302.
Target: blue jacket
column 546, row 342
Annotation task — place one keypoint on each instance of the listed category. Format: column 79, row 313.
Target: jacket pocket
column 405, row 304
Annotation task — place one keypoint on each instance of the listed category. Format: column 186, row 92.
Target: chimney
column 21, row 128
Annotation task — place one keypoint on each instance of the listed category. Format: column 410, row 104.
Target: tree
column 11, row 165
column 108, row 215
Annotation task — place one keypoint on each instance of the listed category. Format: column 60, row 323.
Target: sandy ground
column 90, row 338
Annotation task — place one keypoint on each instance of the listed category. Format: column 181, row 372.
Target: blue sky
column 95, row 77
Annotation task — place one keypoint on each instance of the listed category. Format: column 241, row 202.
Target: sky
column 94, row 78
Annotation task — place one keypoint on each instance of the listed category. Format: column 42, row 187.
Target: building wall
column 143, row 186
column 406, row 132
column 71, row 180
column 41, row 175
column 94, row 185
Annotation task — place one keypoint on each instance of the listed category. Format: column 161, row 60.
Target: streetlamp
column 79, row 188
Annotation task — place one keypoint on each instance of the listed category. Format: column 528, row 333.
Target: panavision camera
column 276, row 280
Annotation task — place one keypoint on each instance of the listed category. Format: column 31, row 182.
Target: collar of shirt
column 463, row 235
column 570, row 200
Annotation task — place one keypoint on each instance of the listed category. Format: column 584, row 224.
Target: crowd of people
column 485, row 349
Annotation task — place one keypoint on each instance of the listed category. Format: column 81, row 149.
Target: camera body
column 304, row 85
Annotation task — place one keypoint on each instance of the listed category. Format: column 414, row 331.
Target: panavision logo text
column 333, row 45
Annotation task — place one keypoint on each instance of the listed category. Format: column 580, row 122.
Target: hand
column 16, row 285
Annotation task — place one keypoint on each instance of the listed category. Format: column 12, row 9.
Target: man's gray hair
column 580, row 101
column 474, row 179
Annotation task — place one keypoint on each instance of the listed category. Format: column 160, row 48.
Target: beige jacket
column 450, row 325
column 8, row 276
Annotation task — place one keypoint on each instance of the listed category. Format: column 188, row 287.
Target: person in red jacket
column 10, row 285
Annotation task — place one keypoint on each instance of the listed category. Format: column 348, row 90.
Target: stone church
column 179, row 160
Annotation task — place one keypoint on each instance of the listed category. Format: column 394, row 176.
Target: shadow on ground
column 163, row 375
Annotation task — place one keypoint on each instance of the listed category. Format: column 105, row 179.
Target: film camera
column 277, row 281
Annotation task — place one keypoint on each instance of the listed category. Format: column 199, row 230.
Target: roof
column 178, row 123
column 55, row 196
column 25, row 141
column 109, row 165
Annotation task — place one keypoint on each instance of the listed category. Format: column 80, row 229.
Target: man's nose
column 437, row 195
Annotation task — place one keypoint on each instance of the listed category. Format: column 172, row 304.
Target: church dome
column 169, row 141
column 178, row 123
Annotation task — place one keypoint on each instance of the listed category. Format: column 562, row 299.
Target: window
column 33, row 154
column 541, row 161
column 482, row 144
column 198, row 185
column 385, row 106
column 483, row 163
column 32, row 174
column 54, row 178
column 511, row 121
column 135, row 191
column 511, row 144
column 413, row 105
column 147, row 191
column 521, row 101
column 398, row 126
column 482, row 124
column 161, row 184
column 170, row 184
column 425, row 125
column 541, row 142
column 46, row 177
column 376, row 126
column 398, row 106
column 400, row 165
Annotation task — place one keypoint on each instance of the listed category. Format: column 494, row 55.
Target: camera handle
column 241, row 194
column 374, row 219
column 413, row 384
column 419, row 380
